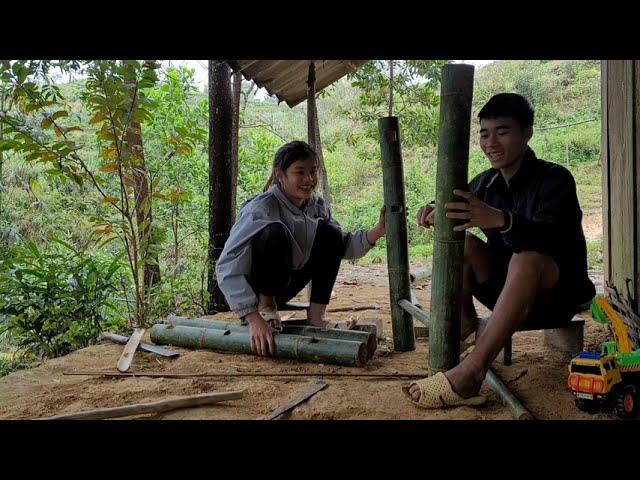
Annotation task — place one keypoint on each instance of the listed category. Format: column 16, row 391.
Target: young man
column 532, row 269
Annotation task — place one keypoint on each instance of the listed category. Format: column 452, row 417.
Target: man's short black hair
column 292, row 151
column 509, row 105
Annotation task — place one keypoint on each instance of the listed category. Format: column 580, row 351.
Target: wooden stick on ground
column 314, row 388
column 129, row 350
column 152, row 407
column 248, row 374
column 357, row 308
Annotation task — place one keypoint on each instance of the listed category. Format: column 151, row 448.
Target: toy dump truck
column 610, row 378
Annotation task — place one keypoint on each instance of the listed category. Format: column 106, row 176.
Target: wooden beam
column 448, row 246
column 152, row 407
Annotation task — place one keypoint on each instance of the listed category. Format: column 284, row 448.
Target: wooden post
column 235, row 131
column 220, row 175
column 448, row 249
column 396, row 225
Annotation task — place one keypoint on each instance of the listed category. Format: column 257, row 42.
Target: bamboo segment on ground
column 152, row 407
column 448, row 248
column 396, row 233
column 369, row 339
column 309, row 349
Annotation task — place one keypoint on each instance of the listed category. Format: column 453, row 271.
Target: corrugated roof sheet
column 287, row 79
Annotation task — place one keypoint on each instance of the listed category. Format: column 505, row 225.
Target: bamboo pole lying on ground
column 152, row 407
column 320, row 350
column 514, row 405
column 369, row 339
column 448, row 246
column 396, row 227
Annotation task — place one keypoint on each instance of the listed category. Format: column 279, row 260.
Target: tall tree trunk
column 237, row 90
column 391, row 88
column 142, row 194
column 220, row 173
column 313, row 132
column 1, row 151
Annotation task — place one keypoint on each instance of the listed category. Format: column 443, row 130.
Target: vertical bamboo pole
column 396, row 226
column 448, row 249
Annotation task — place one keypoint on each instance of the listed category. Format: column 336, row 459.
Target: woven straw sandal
column 436, row 392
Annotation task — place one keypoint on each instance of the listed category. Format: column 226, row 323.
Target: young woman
column 282, row 239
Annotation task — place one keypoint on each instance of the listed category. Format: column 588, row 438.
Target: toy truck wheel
column 627, row 402
column 589, row 406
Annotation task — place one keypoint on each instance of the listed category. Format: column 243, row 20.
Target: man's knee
column 531, row 262
column 473, row 247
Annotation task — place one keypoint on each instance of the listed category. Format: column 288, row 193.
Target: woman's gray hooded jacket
column 272, row 206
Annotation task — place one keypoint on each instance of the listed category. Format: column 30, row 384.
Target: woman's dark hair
column 509, row 105
column 286, row 155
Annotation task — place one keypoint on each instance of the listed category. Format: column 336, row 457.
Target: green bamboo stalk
column 369, row 339
column 396, row 232
column 448, row 249
column 319, row 350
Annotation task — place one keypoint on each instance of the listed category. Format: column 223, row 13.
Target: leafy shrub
column 54, row 302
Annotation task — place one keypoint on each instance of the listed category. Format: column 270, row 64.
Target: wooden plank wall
column 621, row 172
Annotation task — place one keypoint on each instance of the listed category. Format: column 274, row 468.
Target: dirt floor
column 537, row 376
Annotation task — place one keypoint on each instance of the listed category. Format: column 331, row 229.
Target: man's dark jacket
column 542, row 214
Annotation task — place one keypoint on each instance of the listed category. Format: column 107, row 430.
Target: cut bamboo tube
column 396, row 232
column 369, row 339
column 320, row 350
column 152, row 407
column 448, row 246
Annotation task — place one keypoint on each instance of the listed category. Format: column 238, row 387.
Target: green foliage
column 54, row 301
column 415, row 99
column 9, row 364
